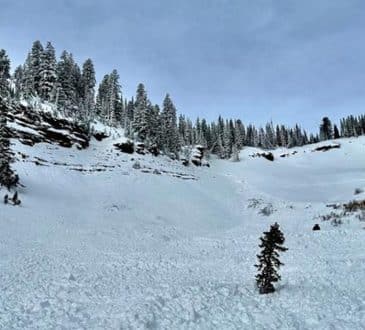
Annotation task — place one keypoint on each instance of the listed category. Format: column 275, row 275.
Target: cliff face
column 30, row 126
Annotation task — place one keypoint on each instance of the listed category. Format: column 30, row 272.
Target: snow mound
column 97, row 244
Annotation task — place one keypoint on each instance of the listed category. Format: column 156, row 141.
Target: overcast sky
column 285, row 60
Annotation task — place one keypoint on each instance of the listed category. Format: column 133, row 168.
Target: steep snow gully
column 98, row 244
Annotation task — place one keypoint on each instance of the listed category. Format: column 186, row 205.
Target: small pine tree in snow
column 8, row 177
column 269, row 263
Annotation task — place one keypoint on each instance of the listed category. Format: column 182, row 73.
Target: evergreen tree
column 128, row 119
column 336, row 133
column 155, row 129
column 33, row 68
column 48, row 77
column 8, row 177
column 269, row 263
column 326, row 131
column 114, row 101
column 101, row 98
column 18, row 79
column 4, row 73
column 66, row 93
column 88, row 86
column 141, row 114
column 27, row 81
column 169, row 127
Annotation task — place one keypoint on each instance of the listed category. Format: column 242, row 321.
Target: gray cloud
column 285, row 60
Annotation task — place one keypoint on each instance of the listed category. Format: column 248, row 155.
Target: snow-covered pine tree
column 154, row 124
column 18, row 79
column 269, row 263
column 326, row 131
column 65, row 83
column 8, row 177
column 141, row 114
column 48, row 76
column 228, row 139
column 101, row 98
column 34, row 68
column 4, row 73
column 128, row 119
column 88, row 85
column 182, row 130
column 78, row 90
column 27, row 81
column 169, row 127
column 114, row 101
column 239, row 132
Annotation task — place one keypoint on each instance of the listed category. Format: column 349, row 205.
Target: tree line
column 73, row 91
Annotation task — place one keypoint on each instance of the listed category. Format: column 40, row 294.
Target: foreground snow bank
column 115, row 247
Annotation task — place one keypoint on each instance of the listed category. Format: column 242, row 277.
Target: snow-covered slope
column 98, row 244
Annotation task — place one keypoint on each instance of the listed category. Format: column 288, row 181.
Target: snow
column 118, row 248
column 23, row 129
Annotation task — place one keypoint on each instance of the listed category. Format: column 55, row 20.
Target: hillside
column 98, row 243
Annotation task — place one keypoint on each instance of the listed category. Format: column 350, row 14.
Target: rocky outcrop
column 327, row 147
column 30, row 127
column 197, row 156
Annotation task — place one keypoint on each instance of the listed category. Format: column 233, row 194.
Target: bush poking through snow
column 267, row 210
column 137, row 165
column 358, row 191
column 354, row 206
column 269, row 263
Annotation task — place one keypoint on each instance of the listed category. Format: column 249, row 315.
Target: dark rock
column 140, row 148
column 153, row 149
column 47, row 127
column 136, row 165
column 326, row 148
column 99, row 136
column 316, row 227
column 126, row 147
column 267, row 155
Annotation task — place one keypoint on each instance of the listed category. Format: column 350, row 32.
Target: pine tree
column 269, row 263
column 128, row 119
column 101, row 98
column 326, row 131
column 48, row 77
column 336, row 133
column 33, row 68
column 4, row 73
column 88, row 85
column 27, row 81
column 65, row 84
column 169, row 127
column 8, row 177
column 114, row 101
column 141, row 114
column 18, row 79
